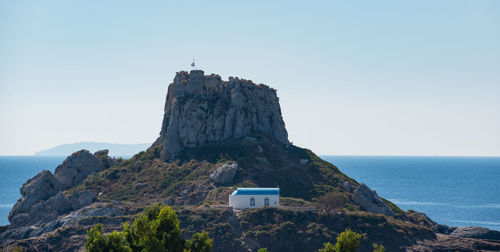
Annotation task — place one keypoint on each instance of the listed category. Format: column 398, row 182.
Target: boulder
column 203, row 109
column 346, row 186
column 39, row 188
column 43, row 211
column 140, row 186
column 83, row 198
column 103, row 156
column 101, row 153
column 476, row 232
column 78, row 166
column 224, row 174
column 370, row 201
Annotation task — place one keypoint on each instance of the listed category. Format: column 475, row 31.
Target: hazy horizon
column 384, row 78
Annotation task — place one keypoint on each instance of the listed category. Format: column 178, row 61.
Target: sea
column 456, row 191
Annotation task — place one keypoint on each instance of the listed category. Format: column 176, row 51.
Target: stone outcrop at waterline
column 41, row 198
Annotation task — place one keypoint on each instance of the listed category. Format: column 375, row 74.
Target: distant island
column 115, row 150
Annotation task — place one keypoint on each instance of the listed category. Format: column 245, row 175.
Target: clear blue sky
column 353, row 77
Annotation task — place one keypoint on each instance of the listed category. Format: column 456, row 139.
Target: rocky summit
column 204, row 109
column 217, row 136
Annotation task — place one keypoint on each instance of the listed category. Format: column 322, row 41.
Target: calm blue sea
column 457, row 191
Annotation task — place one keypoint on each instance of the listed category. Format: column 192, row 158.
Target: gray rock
column 101, row 153
column 443, row 229
column 43, row 211
column 103, row 156
column 80, row 199
column 69, row 219
column 346, row 186
column 476, row 232
column 41, row 187
column 370, row 201
column 304, row 161
column 140, row 186
column 204, row 109
column 78, row 166
column 87, row 212
column 17, row 233
column 224, row 174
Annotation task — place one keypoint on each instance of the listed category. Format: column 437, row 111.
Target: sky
column 353, row 77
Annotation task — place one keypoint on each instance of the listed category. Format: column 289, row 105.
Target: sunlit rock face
column 205, row 109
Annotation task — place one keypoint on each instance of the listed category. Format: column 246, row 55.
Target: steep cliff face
column 205, row 109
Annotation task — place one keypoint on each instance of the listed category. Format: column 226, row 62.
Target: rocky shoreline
column 217, row 135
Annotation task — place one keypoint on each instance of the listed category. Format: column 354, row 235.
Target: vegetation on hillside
column 304, row 179
column 155, row 229
column 348, row 241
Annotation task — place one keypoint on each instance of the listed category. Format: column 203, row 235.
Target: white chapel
column 243, row 198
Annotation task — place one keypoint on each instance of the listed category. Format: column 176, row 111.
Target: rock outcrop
column 86, row 215
column 224, row 174
column 80, row 165
column 83, row 198
column 41, row 198
column 476, row 232
column 43, row 211
column 39, row 188
column 205, row 109
column 370, row 201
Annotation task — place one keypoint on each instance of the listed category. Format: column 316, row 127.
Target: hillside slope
column 217, row 136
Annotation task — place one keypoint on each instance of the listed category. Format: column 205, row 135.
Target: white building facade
column 243, row 198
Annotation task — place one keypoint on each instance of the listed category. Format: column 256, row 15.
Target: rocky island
column 217, row 135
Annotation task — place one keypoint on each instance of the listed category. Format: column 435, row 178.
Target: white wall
column 243, row 201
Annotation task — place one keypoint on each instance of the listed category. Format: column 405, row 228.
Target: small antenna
column 193, row 65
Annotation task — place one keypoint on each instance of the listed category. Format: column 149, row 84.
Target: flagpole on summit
column 193, row 65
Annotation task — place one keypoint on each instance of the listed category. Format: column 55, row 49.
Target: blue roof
column 257, row 191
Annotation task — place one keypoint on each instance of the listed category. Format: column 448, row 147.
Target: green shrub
column 97, row 242
column 347, row 241
column 155, row 229
column 378, row 248
column 328, row 247
column 200, row 243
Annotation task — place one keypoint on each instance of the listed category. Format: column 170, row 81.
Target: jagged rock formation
column 41, row 198
column 80, row 165
column 39, row 188
column 205, row 109
column 370, row 201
